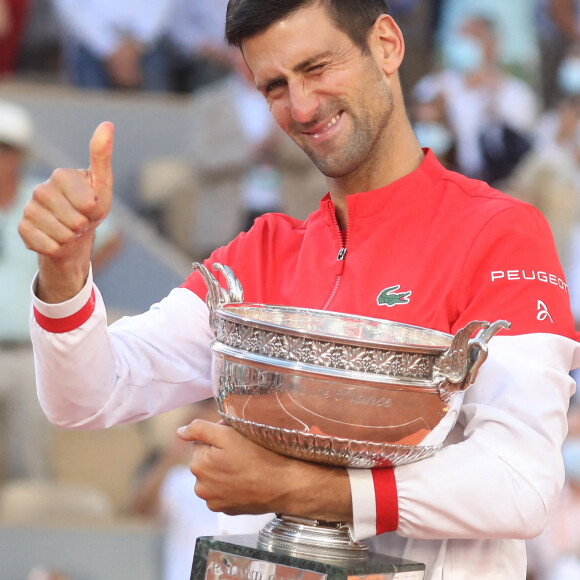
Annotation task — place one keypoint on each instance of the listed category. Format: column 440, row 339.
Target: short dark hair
column 247, row 18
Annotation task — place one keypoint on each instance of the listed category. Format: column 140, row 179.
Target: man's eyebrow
column 301, row 67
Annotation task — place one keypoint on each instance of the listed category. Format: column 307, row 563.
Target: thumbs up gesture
column 59, row 221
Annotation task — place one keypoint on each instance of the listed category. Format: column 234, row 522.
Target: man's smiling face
column 332, row 99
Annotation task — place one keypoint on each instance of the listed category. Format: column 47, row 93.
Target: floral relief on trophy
column 324, row 354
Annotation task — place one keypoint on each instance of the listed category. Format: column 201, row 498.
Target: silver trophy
column 336, row 389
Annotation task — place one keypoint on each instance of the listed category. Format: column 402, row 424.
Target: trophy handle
column 457, row 367
column 478, row 348
column 216, row 295
column 235, row 292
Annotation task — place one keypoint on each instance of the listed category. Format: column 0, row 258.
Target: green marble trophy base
column 238, row 558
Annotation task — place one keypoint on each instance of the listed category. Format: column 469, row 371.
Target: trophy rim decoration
column 240, row 313
column 286, row 364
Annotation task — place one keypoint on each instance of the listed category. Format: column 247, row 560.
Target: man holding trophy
column 398, row 238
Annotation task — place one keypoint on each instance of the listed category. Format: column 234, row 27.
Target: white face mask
column 569, row 76
column 571, row 454
column 433, row 135
column 463, row 54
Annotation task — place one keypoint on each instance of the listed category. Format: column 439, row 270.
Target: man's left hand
column 236, row 476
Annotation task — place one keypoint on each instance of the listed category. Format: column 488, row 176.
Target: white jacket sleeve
column 501, row 467
column 96, row 376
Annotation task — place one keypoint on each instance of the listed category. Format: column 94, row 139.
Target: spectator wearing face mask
column 558, row 25
column 515, row 22
column 431, row 126
column 491, row 112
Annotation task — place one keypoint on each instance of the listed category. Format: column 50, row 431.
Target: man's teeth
column 332, row 122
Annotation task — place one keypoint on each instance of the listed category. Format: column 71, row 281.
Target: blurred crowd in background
column 492, row 87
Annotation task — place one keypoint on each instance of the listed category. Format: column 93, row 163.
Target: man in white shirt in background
column 112, row 44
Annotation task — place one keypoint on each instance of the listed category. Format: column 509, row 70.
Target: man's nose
column 303, row 102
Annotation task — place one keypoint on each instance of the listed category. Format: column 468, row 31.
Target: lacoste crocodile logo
column 390, row 297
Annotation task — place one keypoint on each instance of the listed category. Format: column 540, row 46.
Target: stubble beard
column 361, row 146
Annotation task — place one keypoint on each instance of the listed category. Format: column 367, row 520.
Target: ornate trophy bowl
column 337, row 389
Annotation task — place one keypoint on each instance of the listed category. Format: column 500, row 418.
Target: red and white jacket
column 445, row 250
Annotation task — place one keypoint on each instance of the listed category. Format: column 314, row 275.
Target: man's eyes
column 316, row 67
column 274, row 85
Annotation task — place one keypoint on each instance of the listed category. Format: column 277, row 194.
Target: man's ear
column 387, row 44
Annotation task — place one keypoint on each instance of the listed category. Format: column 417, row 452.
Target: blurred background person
column 164, row 491
column 491, row 112
column 558, row 25
column 558, row 125
column 549, row 175
column 198, row 53
column 13, row 18
column 24, row 438
column 107, row 44
column 39, row 53
column 431, row 125
column 516, row 31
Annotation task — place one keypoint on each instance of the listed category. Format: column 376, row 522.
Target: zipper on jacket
column 341, row 257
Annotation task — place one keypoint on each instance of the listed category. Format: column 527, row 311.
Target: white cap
column 16, row 127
